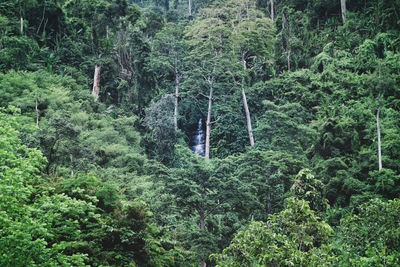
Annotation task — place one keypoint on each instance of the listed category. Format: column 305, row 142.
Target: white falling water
column 198, row 139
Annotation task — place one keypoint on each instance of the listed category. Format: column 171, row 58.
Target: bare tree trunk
column 190, row 8
column 378, row 128
column 208, row 124
column 72, row 165
column 176, row 100
column 22, row 25
column 272, row 10
column 96, row 81
column 343, row 8
column 286, row 24
column 37, row 110
column 210, row 97
column 246, row 107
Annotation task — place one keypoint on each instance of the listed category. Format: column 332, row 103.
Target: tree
column 160, row 119
column 57, row 135
column 167, row 60
column 369, row 235
column 252, row 42
column 285, row 128
column 202, row 193
column 24, row 239
column 268, row 175
column 207, row 38
column 295, row 236
column 307, row 187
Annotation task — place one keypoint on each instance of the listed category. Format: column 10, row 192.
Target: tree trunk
column 246, row 108
column 72, row 165
column 22, row 25
column 378, row 128
column 272, row 10
column 208, row 123
column 190, row 8
column 288, row 60
column 96, row 82
column 37, row 110
column 343, row 9
column 286, row 25
column 176, row 101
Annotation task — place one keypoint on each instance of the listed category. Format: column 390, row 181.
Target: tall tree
column 167, row 60
column 287, row 36
column 253, row 36
column 378, row 132
column 207, row 38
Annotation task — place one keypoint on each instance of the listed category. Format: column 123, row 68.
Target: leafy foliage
column 111, row 182
column 295, row 236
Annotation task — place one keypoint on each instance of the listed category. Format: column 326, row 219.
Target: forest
column 199, row 133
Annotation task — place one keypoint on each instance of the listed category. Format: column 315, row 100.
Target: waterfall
column 198, row 139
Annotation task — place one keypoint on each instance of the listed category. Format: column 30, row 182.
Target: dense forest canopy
column 298, row 103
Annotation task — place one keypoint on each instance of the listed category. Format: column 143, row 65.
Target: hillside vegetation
column 300, row 104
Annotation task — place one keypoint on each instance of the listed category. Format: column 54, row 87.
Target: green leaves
column 370, row 234
column 294, row 236
column 24, row 237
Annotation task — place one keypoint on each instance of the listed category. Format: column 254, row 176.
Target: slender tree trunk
column 202, row 220
column 37, row 110
column 272, row 10
column 176, row 100
column 378, row 128
column 343, row 9
column 72, row 165
column 22, row 25
column 96, row 81
column 288, row 48
column 208, row 124
column 246, row 107
column 41, row 21
column 190, row 8
column 210, row 97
